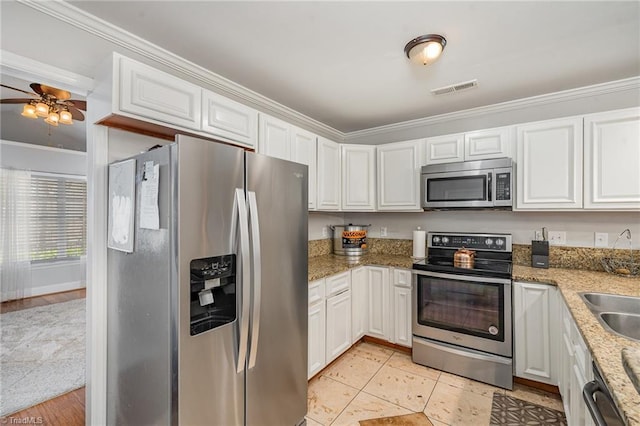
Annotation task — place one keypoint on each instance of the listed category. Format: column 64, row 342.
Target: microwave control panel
column 503, row 186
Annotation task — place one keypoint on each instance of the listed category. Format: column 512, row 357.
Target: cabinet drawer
column 316, row 292
column 338, row 283
column 402, row 278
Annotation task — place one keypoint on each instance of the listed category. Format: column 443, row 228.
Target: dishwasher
column 599, row 402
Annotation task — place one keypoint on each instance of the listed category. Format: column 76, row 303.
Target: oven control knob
column 445, row 240
column 493, row 330
column 436, row 239
column 488, row 241
column 499, row 242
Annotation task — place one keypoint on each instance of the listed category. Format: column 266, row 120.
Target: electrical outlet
column 383, row 231
column 538, row 235
column 601, row 239
column 557, row 238
column 325, row 232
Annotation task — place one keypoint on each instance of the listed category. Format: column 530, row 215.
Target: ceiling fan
column 50, row 102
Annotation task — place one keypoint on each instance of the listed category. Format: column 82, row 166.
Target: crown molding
column 80, row 19
column 30, row 69
column 627, row 84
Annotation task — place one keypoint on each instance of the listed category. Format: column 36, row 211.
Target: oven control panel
column 494, row 242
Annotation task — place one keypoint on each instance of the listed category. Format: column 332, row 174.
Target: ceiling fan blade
column 82, row 105
column 15, row 101
column 41, row 89
column 19, row 90
column 76, row 114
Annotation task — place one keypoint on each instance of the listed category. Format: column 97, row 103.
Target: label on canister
column 354, row 239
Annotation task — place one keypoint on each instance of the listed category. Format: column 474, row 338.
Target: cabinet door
column 338, row 325
column 401, row 277
column 489, row 143
column 303, row 150
column 611, row 158
column 358, row 177
column 316, row 339
column 398, row 172
column 535, row 345
column 549, row 165
column 229, row 119
column 402, row 316
column 273, row 138
column 379, row 301
column 328, row 175
column 444, row 149
column 154, row 94
column 358, row 303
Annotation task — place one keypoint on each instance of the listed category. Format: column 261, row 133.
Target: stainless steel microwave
column 483, row 184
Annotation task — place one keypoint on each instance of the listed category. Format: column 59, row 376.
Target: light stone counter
column 605, row 347
column 330, row 264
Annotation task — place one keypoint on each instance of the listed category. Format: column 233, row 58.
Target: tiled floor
column 371, row 381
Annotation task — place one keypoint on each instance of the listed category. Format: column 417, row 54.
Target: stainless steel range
column 461, row 311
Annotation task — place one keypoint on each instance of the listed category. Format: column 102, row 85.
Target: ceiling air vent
column 458, row 87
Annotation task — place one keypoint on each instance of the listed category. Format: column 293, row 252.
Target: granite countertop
column 614, row 354
column 608, row 349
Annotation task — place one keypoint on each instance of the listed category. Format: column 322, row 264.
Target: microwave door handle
column 489, row 186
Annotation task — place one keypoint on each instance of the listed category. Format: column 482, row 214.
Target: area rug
column 42, row 354
column 413, row 419
column 509, row 411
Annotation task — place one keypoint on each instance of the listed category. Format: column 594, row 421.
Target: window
column 57, row 217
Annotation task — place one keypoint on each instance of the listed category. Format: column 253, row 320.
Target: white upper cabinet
column 612, row 159
column 398, row 173
column 328, row 175
column 150, row 93
column 303, row 150
column 489, row 143
column 444, row 149
column 229, row 119
column 549, row 165
column 358, row 177
column 273, row 138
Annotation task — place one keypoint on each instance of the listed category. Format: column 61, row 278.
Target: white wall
column 48, row 277
column 321, row 220
column 579, row 226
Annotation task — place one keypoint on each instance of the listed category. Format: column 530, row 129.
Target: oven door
column 461, row 189
column 467, row 311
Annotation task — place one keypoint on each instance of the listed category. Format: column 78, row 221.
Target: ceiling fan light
column 53, row 119
column 425, row 49
column 65, row 117
column 29, row 111
column 42, row 109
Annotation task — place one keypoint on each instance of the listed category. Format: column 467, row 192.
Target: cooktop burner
column 493, row 256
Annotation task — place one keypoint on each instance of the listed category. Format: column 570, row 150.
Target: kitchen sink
column 617, row 314
column 612, row 302
column 626, row 325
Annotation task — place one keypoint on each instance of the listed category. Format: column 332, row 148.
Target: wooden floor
column 67, row 409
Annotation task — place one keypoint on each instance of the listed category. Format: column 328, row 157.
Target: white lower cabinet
column 378, row 295
column 535, row 331
column 317, row 323
column 358, row 303
column 402, row 316
column 338, row 325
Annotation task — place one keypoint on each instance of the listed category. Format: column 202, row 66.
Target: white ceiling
column 342, row 63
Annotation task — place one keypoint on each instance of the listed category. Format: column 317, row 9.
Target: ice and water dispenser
column 213, row 292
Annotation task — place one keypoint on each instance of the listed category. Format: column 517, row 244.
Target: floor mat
column 414, row 419
column 509, row 411
column 42, row 354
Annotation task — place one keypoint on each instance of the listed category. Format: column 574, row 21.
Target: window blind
column 57, row 218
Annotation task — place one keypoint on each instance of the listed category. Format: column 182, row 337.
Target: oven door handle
column 462, row 277
column 588, row 392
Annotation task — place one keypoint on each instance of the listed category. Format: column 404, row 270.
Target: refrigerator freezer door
column 210, row 390
column 277, row 383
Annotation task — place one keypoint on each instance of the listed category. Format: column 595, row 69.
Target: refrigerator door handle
column 257, row 277
column 243, row 222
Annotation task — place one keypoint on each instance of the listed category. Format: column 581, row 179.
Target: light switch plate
column 383, row 231
column 325, row 232
column 601, row 239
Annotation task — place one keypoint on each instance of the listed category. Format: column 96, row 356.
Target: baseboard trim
column 55, row 288
column 381, row 342
column 537, row 385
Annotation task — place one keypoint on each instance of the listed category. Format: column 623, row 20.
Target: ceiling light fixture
column 425, row 49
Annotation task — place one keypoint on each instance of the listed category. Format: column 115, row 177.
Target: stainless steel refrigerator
column 207, row 314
